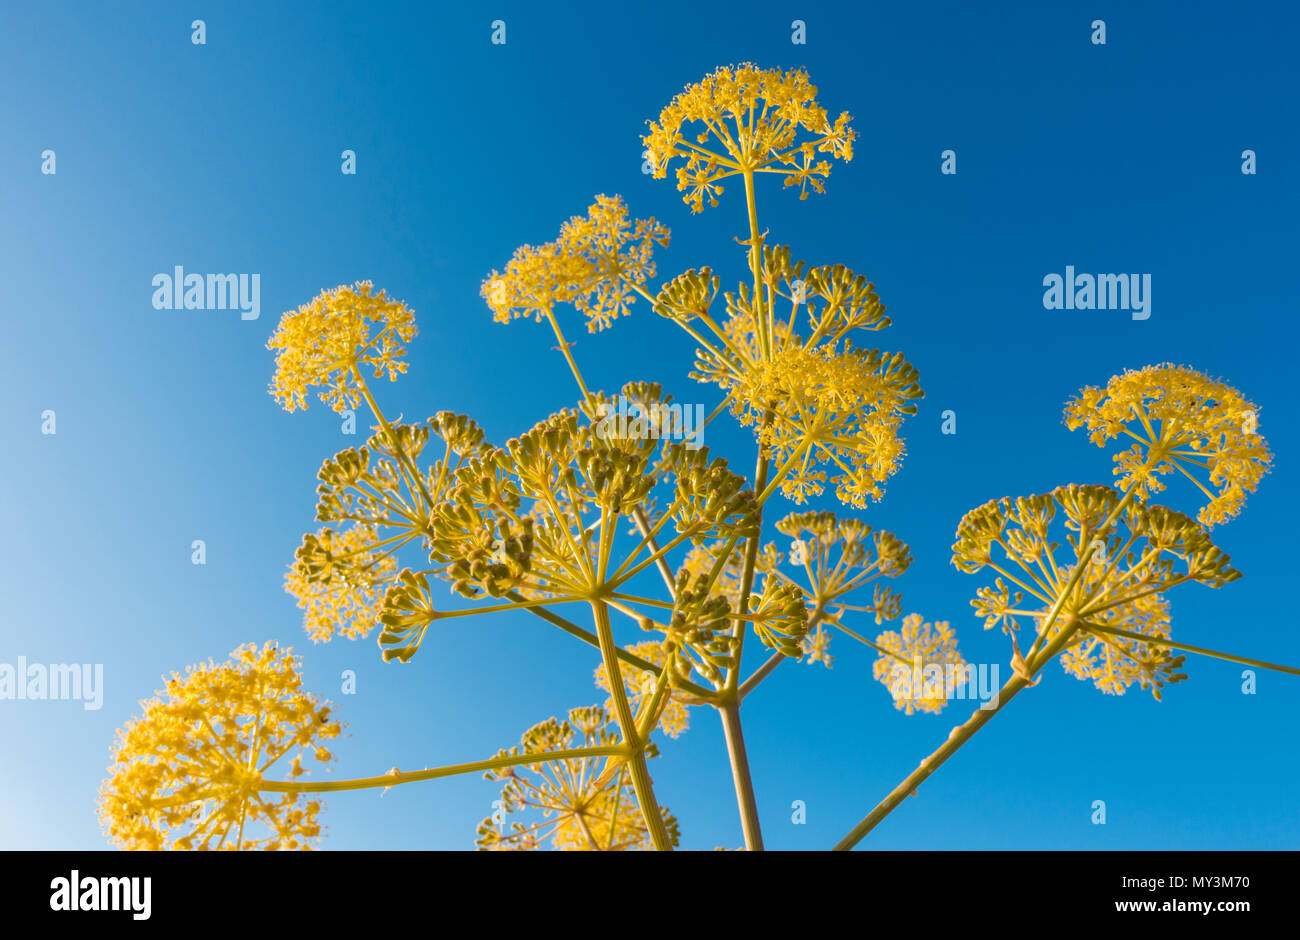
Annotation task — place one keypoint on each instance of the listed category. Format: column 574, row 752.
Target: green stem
column 1204, row 651
column 414, row 776
column 641, row 783
column 744, row 784
column 571, row 628
column 956, row 738
column 407, row 463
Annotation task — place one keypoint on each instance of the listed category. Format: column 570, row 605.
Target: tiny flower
column 917, row 662
column 573, row 803
column 186, row 774
column 1182, row 421
column 743, row 119
column 324, row 344
column 594, row 265
column 339, row 579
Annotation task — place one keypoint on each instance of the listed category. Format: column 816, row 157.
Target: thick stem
column 956, row 738
column 740, row 776
column 641, row 783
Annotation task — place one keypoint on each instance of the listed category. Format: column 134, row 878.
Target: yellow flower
column 919, row 663
column 864, row 556
column 749, row 119
column 186, row 773
column 816, row 404
column 324, row 344
column 571, row 802
column 339, row 579
column 594, row 265
column 1114, row 663
column 1182, row 421
column 833, row 408
column 1132, row 557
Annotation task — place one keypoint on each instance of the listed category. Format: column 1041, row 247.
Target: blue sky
column 225, row 158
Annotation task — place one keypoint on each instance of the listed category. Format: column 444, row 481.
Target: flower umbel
column 747, row 120
column 339, row 579
column 594, row 265
column 185, row 774
column 574, row 803
column 918, row 663
column 322, row 344
column 1133, row 553
column 1182, row 421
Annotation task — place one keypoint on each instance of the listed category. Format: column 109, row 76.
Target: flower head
column 827, row 412
column 595, row 264
column 186, row 774
column 741, row 119
column 1131, row 555
column 832, row 414
column 1181, row 421
column 339, row 579
column 583, row 803
column 325, row 343
column 919, row 663
column 838, row 556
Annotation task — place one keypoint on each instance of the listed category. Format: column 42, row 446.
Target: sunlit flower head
column 1131, row 555
column 744, row 119
column 835, row 413
column 919, row 663
column 593, row 265
column 583, row 803
column 339, row 579
column 186, row 773
column 1183, row 422
column 827, row 413
column 1114, row 662
column 324, row 345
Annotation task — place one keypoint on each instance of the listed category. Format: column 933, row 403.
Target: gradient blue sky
column 225, row 158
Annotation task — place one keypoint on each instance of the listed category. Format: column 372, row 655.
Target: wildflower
column 571, row 802
column 909, row 660
column 594, row 264
column 814, row 402
column 816, row 647
column 863, row 556
column 750, row 119
column 324, row 344
column 339, row 580
column 1115, row 662
column 1131, row 555
column 864, row 553
column 186, row 773
column 1181, row 421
